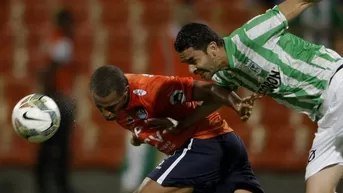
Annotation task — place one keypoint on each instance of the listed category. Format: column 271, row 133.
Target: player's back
column 279, row 64
column 161, row 96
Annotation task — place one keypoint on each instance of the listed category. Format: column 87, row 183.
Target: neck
column 223, row 60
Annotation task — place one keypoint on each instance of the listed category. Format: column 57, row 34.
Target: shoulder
column 142, row 89
column 223, row 78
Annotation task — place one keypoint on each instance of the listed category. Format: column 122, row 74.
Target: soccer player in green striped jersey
column 264, row 58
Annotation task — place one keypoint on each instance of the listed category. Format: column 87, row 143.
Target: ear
column 212, row 49
column 127, row 89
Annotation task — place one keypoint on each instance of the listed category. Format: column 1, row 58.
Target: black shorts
column 215, row 165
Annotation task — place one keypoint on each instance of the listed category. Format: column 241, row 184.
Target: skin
column 110, row 105
column 206, row 63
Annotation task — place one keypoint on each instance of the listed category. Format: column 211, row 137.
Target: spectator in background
column 56, row 81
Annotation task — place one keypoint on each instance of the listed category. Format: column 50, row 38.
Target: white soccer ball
column 36, row 118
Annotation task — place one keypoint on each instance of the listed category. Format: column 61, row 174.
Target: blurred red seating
column 4, row 14
column 119, row 47
column 279, row 151
column 273, row 112
column 6, row 52
column 114, row 12
column 37, row 15
column 83, row 47
column 156, row 13
column 108, row 147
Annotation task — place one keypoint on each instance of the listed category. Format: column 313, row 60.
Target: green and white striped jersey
column 263, row 57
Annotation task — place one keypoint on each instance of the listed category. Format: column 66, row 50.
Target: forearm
column 293, row 8
column 199, row 113
column 212, row 97
column 225, row 97
column 216, row 95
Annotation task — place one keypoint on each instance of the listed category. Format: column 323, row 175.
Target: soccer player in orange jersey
column 206, row 157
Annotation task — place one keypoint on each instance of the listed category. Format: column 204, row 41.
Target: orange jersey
column 162, row 96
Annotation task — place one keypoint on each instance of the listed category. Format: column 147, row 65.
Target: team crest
column 255, row 68
column 148, row 75
column 142, row 113
column 139, row 92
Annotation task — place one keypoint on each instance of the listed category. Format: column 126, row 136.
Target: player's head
column 199, row 46
column 64, row 21
column 109, row 88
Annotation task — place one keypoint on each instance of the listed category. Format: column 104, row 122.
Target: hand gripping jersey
column 161, row 96
column 265, row 58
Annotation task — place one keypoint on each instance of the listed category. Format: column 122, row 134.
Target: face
column 110, row 105
column 204, row 64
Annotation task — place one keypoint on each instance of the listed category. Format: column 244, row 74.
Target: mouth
column 204, row 74
column 111, row 118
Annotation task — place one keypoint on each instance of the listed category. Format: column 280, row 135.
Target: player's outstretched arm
column 293, row 8
column 213, row 98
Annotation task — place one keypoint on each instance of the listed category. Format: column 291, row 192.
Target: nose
column 192, row 69
column 106, row 113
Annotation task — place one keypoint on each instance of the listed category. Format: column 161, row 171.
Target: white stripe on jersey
column 265, row 26
column 300, row 65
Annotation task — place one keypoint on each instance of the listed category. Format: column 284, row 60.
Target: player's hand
column 246, row 106
column 166, row 124
column 135, row 141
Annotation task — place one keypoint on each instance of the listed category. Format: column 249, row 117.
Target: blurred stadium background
column 137, row 35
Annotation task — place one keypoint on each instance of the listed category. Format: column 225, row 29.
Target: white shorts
column 327, row 147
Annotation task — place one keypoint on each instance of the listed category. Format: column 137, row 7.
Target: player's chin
column 206, row 75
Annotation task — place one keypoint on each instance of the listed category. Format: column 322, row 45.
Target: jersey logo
column 142, row 113
column 312, row 155
column 178, row 96
column 255, row 68
column 148, row 75
column 249, row 67
column 139, row 92
column 272, row 82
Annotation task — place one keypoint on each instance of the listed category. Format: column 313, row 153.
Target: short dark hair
column 63, row 17
column 106, row 79
column 197, row 36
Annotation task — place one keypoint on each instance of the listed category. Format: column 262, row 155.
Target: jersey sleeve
column 223, row 79
column 265, row 27
column 174, row 90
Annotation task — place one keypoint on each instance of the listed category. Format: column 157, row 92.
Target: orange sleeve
column 174, row 90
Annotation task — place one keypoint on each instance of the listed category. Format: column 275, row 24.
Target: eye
column 190, row 60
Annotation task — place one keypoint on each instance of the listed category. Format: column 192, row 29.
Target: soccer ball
column 36, row 118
